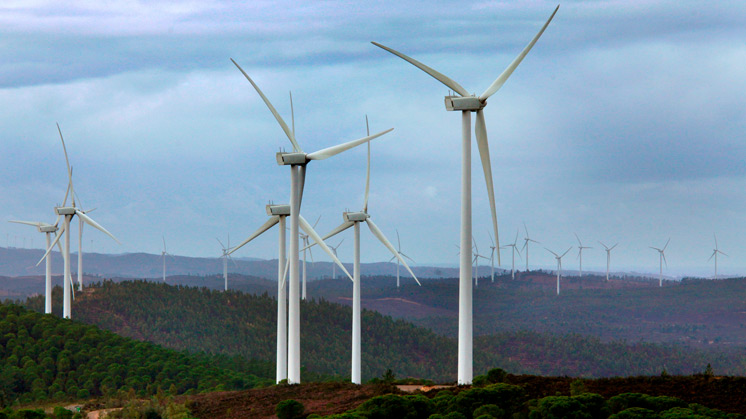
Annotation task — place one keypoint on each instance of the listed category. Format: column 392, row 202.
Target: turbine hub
column 467, row 103
column 284, row 159
column 355, row 216
column 278, row 209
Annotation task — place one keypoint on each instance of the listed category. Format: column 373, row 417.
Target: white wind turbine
column 306, row 247
column 662, row 259
column 398, row 250
column 477, row 255
column 278, row 215
column 514, row 249
column 353, row 219
column 715, row 252
column 48, row 229
column 164, row 253
column 69, row 213
column 225, row 256
column 468, row 103
column 608, row 257
column 526, row 241
column 297, row 160
column 334, row 266
column 580, row 254
column 559, row 266
column 493, row 248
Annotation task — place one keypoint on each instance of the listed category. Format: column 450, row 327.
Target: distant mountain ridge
column 22, row 262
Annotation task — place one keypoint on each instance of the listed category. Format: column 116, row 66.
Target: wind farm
column 172, row 137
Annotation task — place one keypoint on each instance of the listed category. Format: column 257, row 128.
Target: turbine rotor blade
column 88, row 220
column 367, row 175
column 438, row 76
column 379, row 235
column 498, row 83
column 311, row 232
column 334, row 150
column 264, row 227
column 340, row 228
column 288, row 132
column 556, row 255
column 31, row 223
column 484, row 154
column 69, row 170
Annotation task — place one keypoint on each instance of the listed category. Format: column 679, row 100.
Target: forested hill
column 237, row 323
column 44, row 357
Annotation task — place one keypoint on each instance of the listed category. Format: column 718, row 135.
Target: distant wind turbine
column 526, row 240
column 334, row 266
column 580, row 254
column 468, row 103
column 559, row 266
column 514, row 249
column 715, row 252
column 164, row 253
column 608, row 257
column 398, row 264
column 48, row 229
column 306, row 248
column 493, row 248
column 226, row 255
column 477, row 255
column 662, row 259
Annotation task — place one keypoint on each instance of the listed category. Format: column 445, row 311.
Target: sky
column 624, row 124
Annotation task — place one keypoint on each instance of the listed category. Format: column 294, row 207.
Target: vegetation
column 43, row 357
column 233, row 323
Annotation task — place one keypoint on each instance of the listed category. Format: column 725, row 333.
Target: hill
column 43, row 357
column 236, row 323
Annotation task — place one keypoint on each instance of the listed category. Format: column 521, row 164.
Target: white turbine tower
column 715, row 252
column 526, row 241
column 514, row 247
column 353, row 219
column 398, row 250
column 608, row 257
column 69, row 213
column 297, row 160
column 225, row 256
column 164, row 253
column 48, row 229
column 580, row 254
column 559, row 266
column 662, row 259
column 468, row 103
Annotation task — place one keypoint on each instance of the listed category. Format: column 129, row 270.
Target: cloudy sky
column 625, row 123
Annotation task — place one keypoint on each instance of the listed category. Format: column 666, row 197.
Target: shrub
column 488, row 410
column 289, row 409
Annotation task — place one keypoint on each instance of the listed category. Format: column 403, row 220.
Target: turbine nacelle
column 466, row 103
column 65, row 210
column 47, row 229
column 352, row 217
column 285, row 159
column 281, row 210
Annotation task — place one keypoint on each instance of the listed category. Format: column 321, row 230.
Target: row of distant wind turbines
column 288, row 340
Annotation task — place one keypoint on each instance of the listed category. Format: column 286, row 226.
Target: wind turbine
column 48, row 229
column 559, row 266
column 608, row 257
column 297, row 160
column 526, row 240
column 164, row 253
column 515, row 249
column 580, row 254
column 492, row 257
column 398, row 250
column 477, row 255
column 278, row 215
column 662, row 259
column 334, row 267
column 353, row 219
column 468, row 103
column 715, row 252
column 225, row 256
column 306, row 245
column 80, row 247
column 69, row 213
